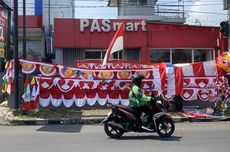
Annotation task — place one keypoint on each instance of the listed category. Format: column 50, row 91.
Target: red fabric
column 91, row 93
column 124, row 94
column 56, row 93
column 179, row 80
column 102, row 93
column 114, row 94
column 189, row 91
column 162, row 69
column 32, row 105
column 45, row 93
column 68, row 95
column 198, row 69
column 197, row 115
column 79, row 93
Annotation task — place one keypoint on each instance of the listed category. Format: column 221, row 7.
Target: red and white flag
column 115, row 45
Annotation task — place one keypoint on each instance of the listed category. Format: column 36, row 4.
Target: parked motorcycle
column 122, row 119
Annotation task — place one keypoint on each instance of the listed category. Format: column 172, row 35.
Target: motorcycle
column 122, row 119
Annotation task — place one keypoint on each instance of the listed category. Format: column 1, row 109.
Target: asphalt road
column 189, row 137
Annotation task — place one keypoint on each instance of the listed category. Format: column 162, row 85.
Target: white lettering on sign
column 83, row 24
column 106, row 25
column 95, row 26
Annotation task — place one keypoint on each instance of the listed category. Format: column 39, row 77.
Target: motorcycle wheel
column 112, row 131
column 165, row 128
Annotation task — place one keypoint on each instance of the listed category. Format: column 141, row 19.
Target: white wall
column 58, row 9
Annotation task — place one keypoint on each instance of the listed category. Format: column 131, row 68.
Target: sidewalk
column 78, row 117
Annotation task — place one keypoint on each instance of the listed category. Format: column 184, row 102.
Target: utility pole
column 16, row 89
column 49, row 26
column 8, row 54
column 24, row 30
column 228, row 25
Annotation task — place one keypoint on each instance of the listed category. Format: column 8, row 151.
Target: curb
column 95, row 120
column 64, row 121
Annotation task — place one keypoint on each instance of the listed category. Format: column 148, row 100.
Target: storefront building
column 144, row 41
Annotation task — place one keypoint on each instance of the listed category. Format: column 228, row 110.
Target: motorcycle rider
column 139, row 101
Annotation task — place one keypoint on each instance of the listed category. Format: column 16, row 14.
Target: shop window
column 33, row 50
column 132, row 54
column 203, row 55
column 117, row 56
column 70, row 55
column 143, row 2
column 89, row 55
column 94, row 54
column 160, row 55
column 181, row 56
column 132, row 2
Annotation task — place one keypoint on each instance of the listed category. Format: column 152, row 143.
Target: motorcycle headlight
column 158, row 101
column 109, row 113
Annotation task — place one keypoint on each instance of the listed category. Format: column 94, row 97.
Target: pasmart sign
column 107, row 25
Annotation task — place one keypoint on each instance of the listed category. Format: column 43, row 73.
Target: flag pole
column 115, row 45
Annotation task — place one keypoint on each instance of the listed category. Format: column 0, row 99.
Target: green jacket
column 137, row 98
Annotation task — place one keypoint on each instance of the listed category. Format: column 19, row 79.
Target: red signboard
column 31, row 21
column 81, row 33
column 75, row 33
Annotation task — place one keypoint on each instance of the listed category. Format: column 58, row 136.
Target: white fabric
column 118, row 45
column 44, row 102
column 188, row 70
column 67, row 102
column 56, row 102
column 210, row 68
column 114, row 101
column 80, row 102
column 91, row 101
column 157, row 80
column 27, row 96
column 45, row 85
column 171, row 86
column 102, row 101
column 124, row 102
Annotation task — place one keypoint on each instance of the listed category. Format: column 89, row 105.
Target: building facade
column 88, row 39
column 152, row 33
column 40, row 16
column 150, row 10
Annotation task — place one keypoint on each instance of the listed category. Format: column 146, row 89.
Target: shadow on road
column 172, row 138
column 61, row 128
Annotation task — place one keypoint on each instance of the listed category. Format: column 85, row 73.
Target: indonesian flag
column 115, row 45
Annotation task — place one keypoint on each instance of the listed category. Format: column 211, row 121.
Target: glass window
column 133, row 2
column 132, row 54
column 143, row 2
column 203, row 55
column 93, row 55
column 116, row 55
column 181, row 56
column 160, row 55
column 33, row 50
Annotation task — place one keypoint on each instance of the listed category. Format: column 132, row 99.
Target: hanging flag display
column 86, row 83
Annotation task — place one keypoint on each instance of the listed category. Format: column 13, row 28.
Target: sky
column 197, row 12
